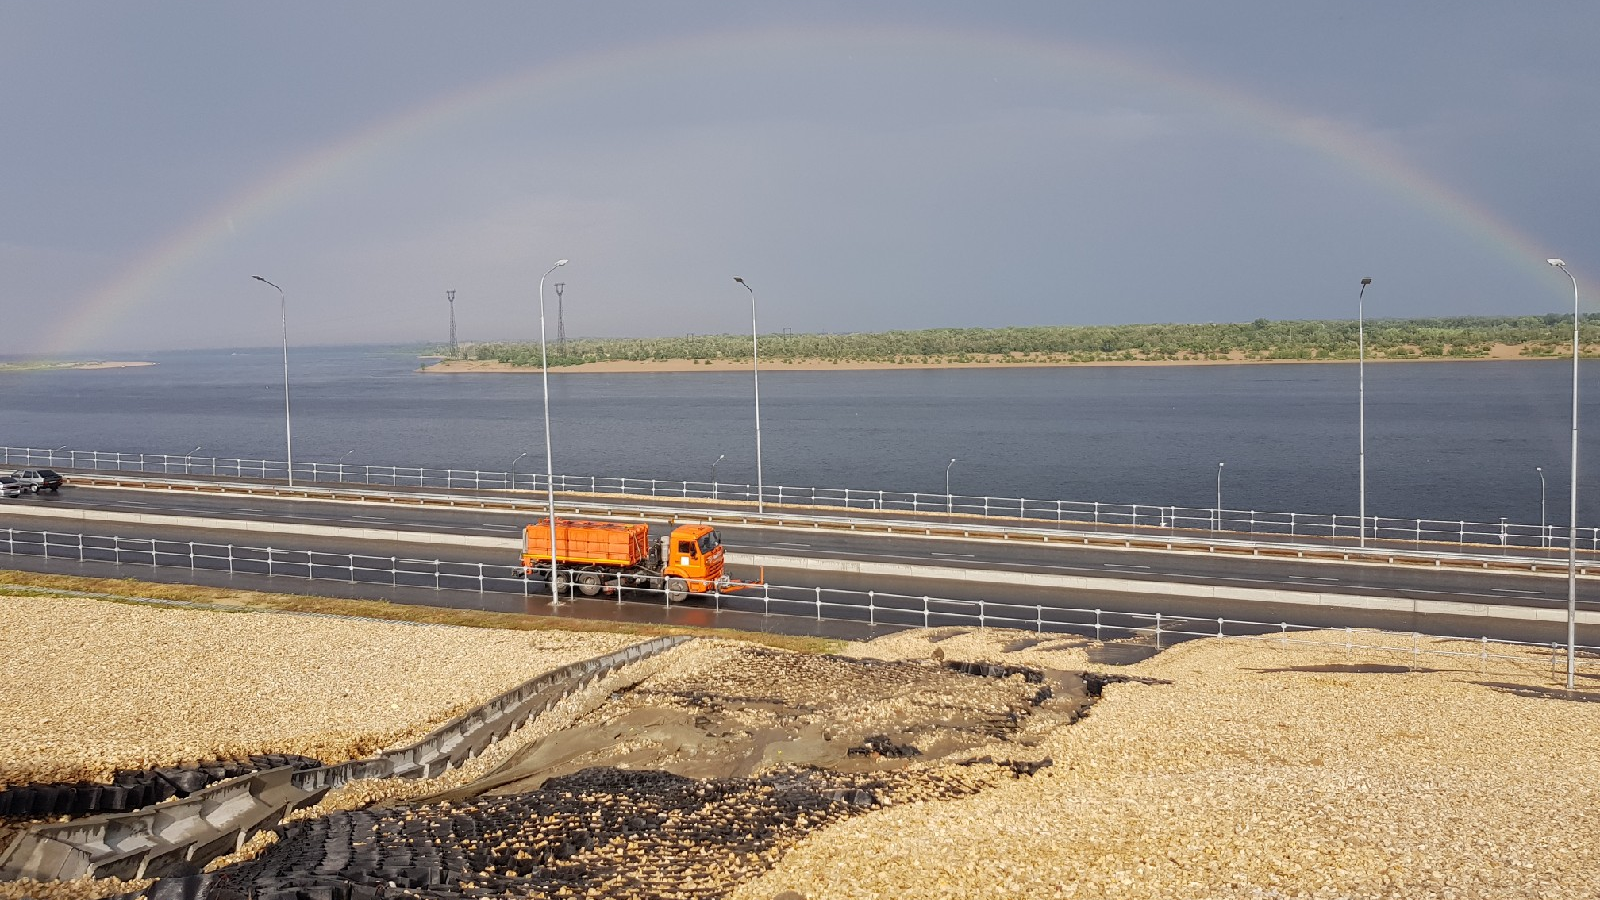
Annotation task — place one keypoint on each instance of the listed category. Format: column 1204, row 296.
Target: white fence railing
column 1073, row 513
column 878, row 609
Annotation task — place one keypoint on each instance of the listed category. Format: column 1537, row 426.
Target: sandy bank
column 97, row 364
column 481, row 366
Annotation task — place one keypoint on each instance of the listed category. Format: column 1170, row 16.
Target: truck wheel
column 677, row 590
column 590, row 583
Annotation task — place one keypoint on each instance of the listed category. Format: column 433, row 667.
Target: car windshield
column 709, row 541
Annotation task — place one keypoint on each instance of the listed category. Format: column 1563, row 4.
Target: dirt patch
column 1355, row 669
column 742, row 710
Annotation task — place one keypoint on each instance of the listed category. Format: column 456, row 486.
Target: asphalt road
column 479, row 578
column 1508, row 588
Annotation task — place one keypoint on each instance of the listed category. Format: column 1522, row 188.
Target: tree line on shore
column 1464, row 337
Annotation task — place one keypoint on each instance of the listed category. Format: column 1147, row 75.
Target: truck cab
column 694, row 553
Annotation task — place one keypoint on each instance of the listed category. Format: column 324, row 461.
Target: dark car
column 10, row 487
column 37, row 480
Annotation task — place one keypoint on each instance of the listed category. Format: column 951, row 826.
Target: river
column 1445, row 440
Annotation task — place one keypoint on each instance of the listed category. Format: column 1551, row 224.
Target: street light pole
column 341, row 463
column 714, row 475
column 513, row 471
column 755, row 369
column 1361, row 366
column 1572, row 526
column 288, row 431
column 549, row 456
column 1544, row 535
column 188, row 456
column 1218, row 524
column 949, row 502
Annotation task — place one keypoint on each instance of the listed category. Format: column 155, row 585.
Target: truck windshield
column 709, row 541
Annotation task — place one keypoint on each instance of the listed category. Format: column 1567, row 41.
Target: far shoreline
column 1499, row 353
column 78, row 366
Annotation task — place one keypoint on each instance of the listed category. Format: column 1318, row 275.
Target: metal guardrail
column 805, row 519
column 180, row 836
column 1075, row 512
column 877, row 609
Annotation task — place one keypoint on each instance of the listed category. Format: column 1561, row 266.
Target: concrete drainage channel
column 179, row 837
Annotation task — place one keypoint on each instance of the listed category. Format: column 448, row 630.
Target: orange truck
column 610, row 556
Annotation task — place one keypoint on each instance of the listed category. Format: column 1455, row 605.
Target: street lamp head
column 1558, row 263
column 1366, row 281
column 560, row 263
column 738, row 279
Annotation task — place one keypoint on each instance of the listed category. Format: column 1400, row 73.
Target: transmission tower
column 561, row 322
column 455, row 350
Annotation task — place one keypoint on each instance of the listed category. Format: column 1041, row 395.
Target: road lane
column 477, row 578
column 1356, row 578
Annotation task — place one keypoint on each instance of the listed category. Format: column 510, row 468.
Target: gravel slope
column 95, row 686
column 1245, row 768
column 1259, row 771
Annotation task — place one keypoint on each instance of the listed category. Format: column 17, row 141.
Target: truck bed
column 581, row 542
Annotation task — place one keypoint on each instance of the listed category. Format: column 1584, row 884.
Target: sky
column 864, row 165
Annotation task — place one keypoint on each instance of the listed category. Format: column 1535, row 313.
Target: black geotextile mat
column 134, row 788
column 601, row 832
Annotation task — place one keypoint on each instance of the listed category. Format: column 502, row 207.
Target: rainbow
column 98, row 315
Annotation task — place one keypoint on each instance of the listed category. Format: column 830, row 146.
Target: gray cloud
column 862, row 177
